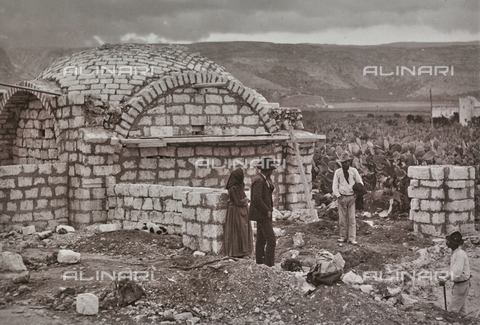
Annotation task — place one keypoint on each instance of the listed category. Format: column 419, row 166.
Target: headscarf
column 236, row 178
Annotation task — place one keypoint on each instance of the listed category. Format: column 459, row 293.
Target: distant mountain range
column 298, row 74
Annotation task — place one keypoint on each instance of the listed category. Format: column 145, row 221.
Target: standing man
column 261, row 208
column 343, row 181
column 459, row 274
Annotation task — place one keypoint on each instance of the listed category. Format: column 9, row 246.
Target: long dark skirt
column 238, row 232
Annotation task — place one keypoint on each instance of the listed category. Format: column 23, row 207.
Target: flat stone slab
column 87, row 304
column 67, row 256
column 11, row 262
column 109, row 227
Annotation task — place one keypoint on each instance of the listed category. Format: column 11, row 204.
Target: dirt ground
column 184, row 288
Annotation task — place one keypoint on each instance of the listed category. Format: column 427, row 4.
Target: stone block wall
column 443, row 199
column 198, row 214
column 189, row 111
column 35, row 141
column 33, row 195
column 134, row 203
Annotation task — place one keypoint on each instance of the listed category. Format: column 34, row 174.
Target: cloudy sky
column 80, row 23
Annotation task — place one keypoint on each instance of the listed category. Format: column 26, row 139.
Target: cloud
column 70, row 23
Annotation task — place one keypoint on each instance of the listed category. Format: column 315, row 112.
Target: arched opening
column 27, row 131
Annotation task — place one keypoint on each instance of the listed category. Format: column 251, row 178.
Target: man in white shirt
column 343, row 181
column 459, row 274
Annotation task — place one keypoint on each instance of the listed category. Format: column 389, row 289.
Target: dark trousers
column 265, row 237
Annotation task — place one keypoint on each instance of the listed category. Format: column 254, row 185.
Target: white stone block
column 352, row 278
column 458, row 172
column 437, row 172
column 430, row 205
column 65, row 227
column 419, row 172
column 109, row 227
column 418, row 192
column 44, row 234
column 87, row 304
column 28, row 230
column 420, row 216
column 10, row 261
column 67, row 256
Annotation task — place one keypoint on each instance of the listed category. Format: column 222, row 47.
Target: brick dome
column 118, row 72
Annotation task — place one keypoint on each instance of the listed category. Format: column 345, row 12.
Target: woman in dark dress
column 238, row 231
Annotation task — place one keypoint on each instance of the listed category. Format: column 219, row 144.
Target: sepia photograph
column 239, row 162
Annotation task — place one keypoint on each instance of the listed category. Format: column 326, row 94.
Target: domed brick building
column 131, row 134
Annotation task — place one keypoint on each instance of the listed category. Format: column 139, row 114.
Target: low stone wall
column 33, row 195
column 198, row 214
column 204, row 214
column 443, row 199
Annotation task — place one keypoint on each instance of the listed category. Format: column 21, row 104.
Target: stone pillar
column 294, row 188
column 204, row 212
column 443, row 199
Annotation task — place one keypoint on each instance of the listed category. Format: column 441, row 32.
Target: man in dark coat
column 261, row 208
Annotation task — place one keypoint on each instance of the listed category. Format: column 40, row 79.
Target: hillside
column 282, row 72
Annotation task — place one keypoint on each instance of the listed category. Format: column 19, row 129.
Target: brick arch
column 11, row 105
column 139, row 102
column 48, row 101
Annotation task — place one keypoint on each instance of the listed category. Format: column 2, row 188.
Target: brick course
column 443, row 199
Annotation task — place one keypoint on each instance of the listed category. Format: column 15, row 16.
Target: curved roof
column 119, row 71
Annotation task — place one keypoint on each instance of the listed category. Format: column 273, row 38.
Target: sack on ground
column 327, row 270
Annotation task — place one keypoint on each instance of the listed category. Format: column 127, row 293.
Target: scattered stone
column 28, row 230
column 68, row 256
column 366, row 288
column 475, row 240
column 44, row 234
column 21, row 278
column 392, row 301
column 298, row 240
column 11, row 262
column 298, row 281
column 193, row 320
column 63, row 229
column 352, row 278
column 279, row 232
column 87, row 304
column 168, row 315
column 108, row 227
column 277, row 215
column 183, row 316
column 198, row 253
column 23, row 288
column 394, row 291
column 407, row 300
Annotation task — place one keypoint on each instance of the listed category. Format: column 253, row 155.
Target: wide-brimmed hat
column 455, row 238
column 345, row 156
column 266, row 164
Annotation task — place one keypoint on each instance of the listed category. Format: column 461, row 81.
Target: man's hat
column 455, row 238
column 266, row 164
column 345, row 156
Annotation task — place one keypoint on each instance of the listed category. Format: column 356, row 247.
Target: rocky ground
column 186, row 287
